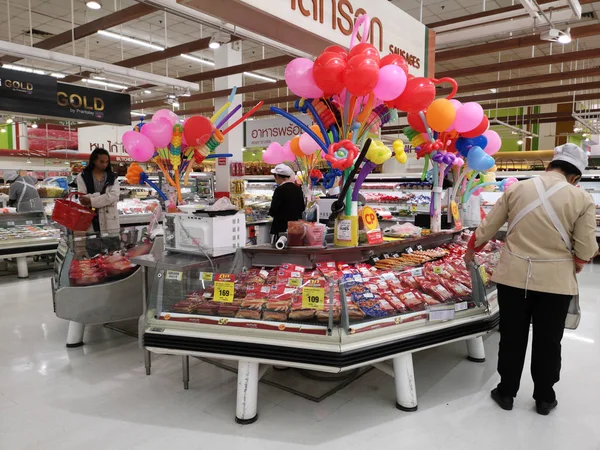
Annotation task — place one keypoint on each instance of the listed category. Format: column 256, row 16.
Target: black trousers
column 547, row 312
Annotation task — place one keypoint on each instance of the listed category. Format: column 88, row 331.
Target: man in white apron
column 23, row 194
column 551, row 235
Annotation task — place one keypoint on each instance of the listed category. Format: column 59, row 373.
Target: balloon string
column 244, row 117
column 224, row 120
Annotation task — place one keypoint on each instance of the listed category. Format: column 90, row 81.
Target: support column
column 404, row 377
column 476, row 350
column 185, row 369
column 225, row 56
column 247, row 393
column 22, row 270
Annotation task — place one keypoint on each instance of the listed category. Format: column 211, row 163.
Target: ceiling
column 48, row 18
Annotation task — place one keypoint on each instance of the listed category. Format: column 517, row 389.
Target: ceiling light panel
column 131, row 40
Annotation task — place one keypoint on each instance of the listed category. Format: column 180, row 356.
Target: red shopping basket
column 72, row 215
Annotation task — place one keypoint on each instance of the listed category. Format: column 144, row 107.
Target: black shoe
column 544, row 408
column 504, row 402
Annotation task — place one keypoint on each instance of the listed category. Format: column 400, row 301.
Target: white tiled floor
column 98, row 396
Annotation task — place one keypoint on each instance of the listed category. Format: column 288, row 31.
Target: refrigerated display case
column 95, row 281
column 332, row 310
column 24, row 235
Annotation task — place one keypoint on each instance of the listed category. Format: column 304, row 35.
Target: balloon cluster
column 175, row 146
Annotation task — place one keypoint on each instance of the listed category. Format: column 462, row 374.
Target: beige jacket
column 536, row 238
column 105, row 204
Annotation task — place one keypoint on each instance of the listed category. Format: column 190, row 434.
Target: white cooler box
column 220, row 235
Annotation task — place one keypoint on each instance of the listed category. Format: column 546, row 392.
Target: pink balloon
column 288, row 155
column 458, row 162
column 457, row 106
column 184, row 143
column 300, row 80
column 391, row 83
column 494, row 142
column 468, row 117
column 308, row 145
column 166, row 114
column 159, row 132
column 273, row 154
column 138, row 146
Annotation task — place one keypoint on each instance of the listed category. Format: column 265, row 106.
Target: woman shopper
column 551, row 235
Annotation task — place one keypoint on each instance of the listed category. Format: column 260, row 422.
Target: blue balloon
column 463, row 145
column 479, row 160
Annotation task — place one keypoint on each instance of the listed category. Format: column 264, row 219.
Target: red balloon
column 415, row 122
column 197, row 130
column 396, row 60
column 365, row 49
column 417, row 96
column 339, row 50
column 328, row 72
column 361, row 75
column 478, row 130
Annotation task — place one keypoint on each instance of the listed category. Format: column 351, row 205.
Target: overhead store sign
column 392, row 30
column 261, row 133
column 40, row 95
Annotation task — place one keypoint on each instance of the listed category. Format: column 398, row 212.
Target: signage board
column 262, row 132
column 391, row 29
column 41, row 95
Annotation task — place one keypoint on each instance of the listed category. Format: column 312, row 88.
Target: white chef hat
column 10, row 175
column 573, row 154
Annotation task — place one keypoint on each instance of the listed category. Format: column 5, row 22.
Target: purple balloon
column 138, row 146
column 468, row 117
column 300, row 80
column 159, row 132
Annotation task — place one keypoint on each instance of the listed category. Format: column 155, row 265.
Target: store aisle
column 98, row 396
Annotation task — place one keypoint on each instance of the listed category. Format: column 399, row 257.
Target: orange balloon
column 295, row 147
column 440, row 114
column 315, row 129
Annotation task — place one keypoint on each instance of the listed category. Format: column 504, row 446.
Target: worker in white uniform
column 23, row 194
column 551, row 235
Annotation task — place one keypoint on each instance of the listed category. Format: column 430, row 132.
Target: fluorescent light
column 104, row 83
column 9, row 120
column 175, row 104
column 493, row 90
column 2, row 130
column 34, row 125
column 137, row 114
column 93, row 4
column 25, row 51
column 260, row 77
column 146, row 91
column 57, row 75
column 23, row 69
column 198, row 60
column 130, row 40
column 520, row 142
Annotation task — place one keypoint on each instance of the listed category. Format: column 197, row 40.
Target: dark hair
column 96, row 153
column 565, row 167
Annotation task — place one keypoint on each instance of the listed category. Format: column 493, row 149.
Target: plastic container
column 296, row 233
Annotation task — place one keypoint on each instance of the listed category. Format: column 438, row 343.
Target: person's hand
column 85, row 200
column 579, row 267
column 469, row 257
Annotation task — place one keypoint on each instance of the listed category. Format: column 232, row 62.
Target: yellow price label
column 206, row 276
column 437, row 270
column 174, row 275
column 294, row 282
column 413, row 208
column 313, row 298
column 454, row 209
column 223, row 291
column 484, row 275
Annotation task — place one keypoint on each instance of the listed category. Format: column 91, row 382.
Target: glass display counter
column 331, row 310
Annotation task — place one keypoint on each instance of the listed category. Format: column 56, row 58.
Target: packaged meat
column 277, row 316
column 436, row 290
column 412, row 299
column 302, row 315
column 228, row 310
column 252, row 314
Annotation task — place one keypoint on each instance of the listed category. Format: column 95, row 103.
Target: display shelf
column 132, row 219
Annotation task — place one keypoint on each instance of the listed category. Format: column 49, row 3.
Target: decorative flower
column 378, row 153
column 341, row 155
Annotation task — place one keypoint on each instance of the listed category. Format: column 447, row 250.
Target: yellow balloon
column 378, row 153
column 399, row 152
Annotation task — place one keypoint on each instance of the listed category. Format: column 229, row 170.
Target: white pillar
column 22, row 270
column 225, row 56
column 476, row 350
column 404, row 377
column 247, row 393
